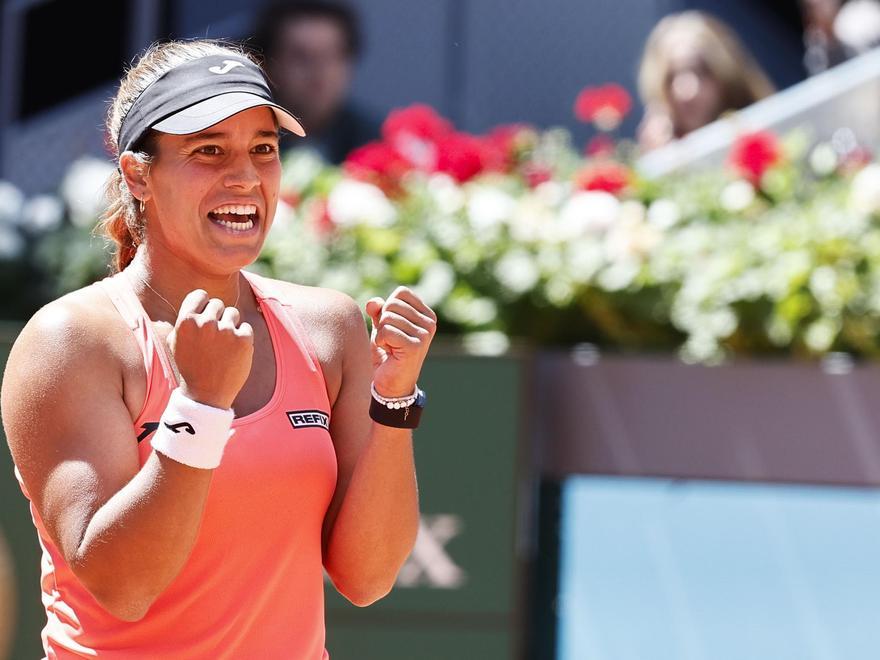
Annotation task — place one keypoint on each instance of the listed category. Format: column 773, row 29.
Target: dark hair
column 264, row 40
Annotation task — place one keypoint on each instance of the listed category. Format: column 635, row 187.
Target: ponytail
column 121, row 222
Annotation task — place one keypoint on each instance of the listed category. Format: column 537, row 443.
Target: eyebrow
column 215, row 135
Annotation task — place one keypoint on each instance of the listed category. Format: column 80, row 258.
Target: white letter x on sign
column 430, row 564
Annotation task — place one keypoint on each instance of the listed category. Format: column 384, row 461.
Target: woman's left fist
column 403, row 327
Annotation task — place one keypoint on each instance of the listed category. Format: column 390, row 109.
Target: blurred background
column 651, row 230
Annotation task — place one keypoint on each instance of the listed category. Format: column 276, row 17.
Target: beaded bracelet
column 404, row 416
column 395, row 403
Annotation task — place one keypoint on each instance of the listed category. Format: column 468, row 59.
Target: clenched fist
column 212, row 350
column 403, row 327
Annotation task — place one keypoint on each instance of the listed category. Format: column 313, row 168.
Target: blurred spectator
column 694, row 69
column 822, row 50
column 309, row 50
column 835, row 31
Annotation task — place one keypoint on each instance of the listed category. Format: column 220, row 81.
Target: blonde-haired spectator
column 694, row 69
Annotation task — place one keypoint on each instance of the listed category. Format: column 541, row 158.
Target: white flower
column 11, row 201
column 436, row 283
column 592, row 211
column 630, row 240
column 344, row 278
column 552, row 193
column 823, row 159
column 373, row 267
column 821, row 333
column 560, row 291
column 355, row 202
column 663, row 214
column 786, row 271
column 737, row 196
column 701, row 347
column 446, row 231
column 550, row 258
column 531, row 219
column 297, row 256
column 721, row 322
column 632, row 212
column 301, row 168
column 619, row 275
column 83, row 189
column 823, row 285
column 42, row 213
column 517, row 271
column 285, row 217
column 446, row 193
column 864, row 194
column 488, row 208
column 584, row 258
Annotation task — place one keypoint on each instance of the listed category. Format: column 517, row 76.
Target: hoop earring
column 142, row 206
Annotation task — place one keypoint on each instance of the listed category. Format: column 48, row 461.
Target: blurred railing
column 842, row 103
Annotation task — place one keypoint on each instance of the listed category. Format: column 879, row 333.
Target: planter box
column 772, row 421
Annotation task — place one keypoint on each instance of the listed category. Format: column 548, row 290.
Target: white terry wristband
column 193, row 433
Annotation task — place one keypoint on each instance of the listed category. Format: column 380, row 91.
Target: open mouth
column 236, row 218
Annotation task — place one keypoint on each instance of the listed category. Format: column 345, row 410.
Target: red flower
column 604, row 106
column 460, row 155
column 377, row 163
column 754, row 153
column 503, row 146
column 855, row 159
column 601, row 146
column 414, row 132
column 536, row 174
column 609, row 176
column 420, row 120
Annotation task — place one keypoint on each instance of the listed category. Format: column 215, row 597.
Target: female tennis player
column 198, row 442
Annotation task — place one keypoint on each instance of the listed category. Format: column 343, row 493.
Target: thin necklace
column 165, row 300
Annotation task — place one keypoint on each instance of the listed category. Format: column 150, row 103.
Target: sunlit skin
column 233, row 162
column 312, row 69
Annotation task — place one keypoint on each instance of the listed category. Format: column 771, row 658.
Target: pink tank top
column 253, row 585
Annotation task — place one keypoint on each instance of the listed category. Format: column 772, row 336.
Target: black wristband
column 399, row 418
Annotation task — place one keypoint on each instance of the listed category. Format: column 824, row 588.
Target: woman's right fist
column 212, row 350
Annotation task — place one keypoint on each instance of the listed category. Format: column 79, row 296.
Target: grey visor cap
column 212, row 111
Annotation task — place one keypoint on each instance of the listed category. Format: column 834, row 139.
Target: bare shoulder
column 321, row 310
column 66, row 344
column 315, row 300
column 74, row 325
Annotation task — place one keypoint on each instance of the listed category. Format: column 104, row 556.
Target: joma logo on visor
column 228, row 65
column 301, row 419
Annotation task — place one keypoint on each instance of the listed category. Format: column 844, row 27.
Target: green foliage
column 705, row 263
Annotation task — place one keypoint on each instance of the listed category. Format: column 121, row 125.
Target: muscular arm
column 124, row 531
column 372, row 521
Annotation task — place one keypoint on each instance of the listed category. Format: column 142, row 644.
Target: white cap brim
column 212, row 111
